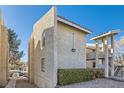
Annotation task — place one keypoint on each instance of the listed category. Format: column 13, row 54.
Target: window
column 94, row 64
column 43, row 64
column 43, row 39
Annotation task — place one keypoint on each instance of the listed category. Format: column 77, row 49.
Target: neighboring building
column 24, row 67
column 91, row 55
column 56, row 43
column 19, row 67
column 3, row 53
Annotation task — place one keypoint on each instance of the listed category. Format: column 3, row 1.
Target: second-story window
column 43, row 39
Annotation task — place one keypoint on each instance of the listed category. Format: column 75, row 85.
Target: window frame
column 43, row 39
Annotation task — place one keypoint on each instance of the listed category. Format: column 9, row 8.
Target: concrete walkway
column 11, row 83
column 19, row 83
column 121, row 79
column 98, row 83
column 23, row 83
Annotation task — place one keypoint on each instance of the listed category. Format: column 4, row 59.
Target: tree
column 14, row 53
column 119, row 52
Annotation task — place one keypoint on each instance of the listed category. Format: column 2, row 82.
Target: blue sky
column 98, row 19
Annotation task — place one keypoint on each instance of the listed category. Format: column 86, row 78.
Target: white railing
column 92, row 55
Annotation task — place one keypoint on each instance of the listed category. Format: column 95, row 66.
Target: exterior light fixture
column 73, row 49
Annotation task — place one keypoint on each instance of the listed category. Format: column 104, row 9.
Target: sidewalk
column 98, row 83
column 23, row 83
column 11, row 83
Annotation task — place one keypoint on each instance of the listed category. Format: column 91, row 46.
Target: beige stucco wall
column 3, row 55
column 46, row 24
column 57, row 50
column 67, row 58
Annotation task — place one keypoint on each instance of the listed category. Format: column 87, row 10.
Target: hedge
column 68, row 76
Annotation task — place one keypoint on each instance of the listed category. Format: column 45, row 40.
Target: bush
column 68, row 76
column 99, row 73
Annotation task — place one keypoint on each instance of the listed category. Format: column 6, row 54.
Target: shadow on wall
column 41, row 57
column 34, row 52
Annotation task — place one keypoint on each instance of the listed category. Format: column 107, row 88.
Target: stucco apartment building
column 3, row 53
column 91, row 55
column 56, row 43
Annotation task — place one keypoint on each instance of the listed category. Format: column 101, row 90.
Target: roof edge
column 113, row 32
column 68, row 22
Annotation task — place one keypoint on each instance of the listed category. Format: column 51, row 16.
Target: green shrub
column 68, row 76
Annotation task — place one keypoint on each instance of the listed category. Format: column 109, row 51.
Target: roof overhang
column 113, row 32
column 72, row 24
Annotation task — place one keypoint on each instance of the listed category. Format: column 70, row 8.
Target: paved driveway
column 98, row 83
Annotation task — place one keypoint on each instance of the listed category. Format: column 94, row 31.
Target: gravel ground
column 98, row 83
column 23, row 83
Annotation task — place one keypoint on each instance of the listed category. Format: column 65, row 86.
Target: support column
column 97, row 53
column 106, row 57
column 113, row 55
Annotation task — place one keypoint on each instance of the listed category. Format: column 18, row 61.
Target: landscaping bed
column 68, row 76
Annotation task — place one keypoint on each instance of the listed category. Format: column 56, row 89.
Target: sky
column 98, row 19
